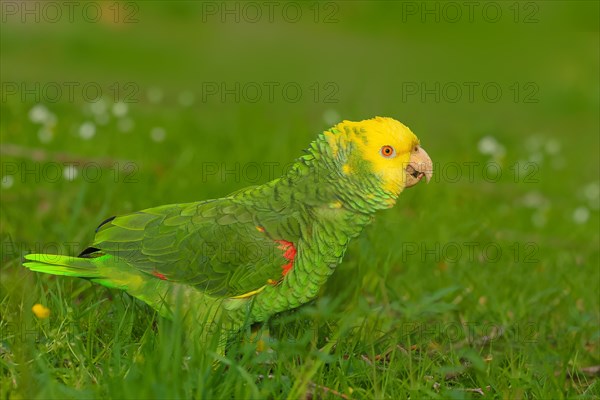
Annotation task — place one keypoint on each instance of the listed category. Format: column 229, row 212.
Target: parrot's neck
column 333, row 210
column 319, row 178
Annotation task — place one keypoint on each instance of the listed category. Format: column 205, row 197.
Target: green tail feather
column 62, row 265
column 162, row 295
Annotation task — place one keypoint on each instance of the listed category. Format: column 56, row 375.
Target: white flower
column 39, row 114
column 158, row 134
column 7, row 181
column 70, row 172
column 488, row 145
column 534, row 199
column 99, row 107
column 581, row 215
column 120, row 109
column 87, row 130
column 552, row 147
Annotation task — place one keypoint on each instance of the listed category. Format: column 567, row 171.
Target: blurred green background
column 111, row 107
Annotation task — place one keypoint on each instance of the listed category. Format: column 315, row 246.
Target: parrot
column 262, row 250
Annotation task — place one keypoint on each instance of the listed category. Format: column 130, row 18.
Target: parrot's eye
column 388, row 151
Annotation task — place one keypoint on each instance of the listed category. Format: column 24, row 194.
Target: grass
column 475, row 283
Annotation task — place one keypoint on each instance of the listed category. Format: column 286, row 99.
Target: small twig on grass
column 384, row 357
column 497, row 332
column 437, row 386
column 592, row 372
column 474, row 390
column 41, row 155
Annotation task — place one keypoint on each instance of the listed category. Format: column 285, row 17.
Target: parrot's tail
column 107, row 271
column 63, row 265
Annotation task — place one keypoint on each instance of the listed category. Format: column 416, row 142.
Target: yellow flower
column 41, row 311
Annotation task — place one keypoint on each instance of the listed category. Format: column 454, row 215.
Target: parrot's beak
column 419, row 166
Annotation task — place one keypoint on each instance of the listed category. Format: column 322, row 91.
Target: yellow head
column 380, row 148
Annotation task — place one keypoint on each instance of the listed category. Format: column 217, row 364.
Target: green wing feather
column 222, row 247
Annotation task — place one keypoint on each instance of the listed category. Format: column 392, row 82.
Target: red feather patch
column 159, row 275
column 289, row 254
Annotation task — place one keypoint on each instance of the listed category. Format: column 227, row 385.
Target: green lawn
column 484, row 282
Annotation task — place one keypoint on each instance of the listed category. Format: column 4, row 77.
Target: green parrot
column 262, row 250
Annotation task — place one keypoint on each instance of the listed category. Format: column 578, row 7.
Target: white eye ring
column 387, row 151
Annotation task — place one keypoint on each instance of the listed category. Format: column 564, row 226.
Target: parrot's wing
column 218, row 246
